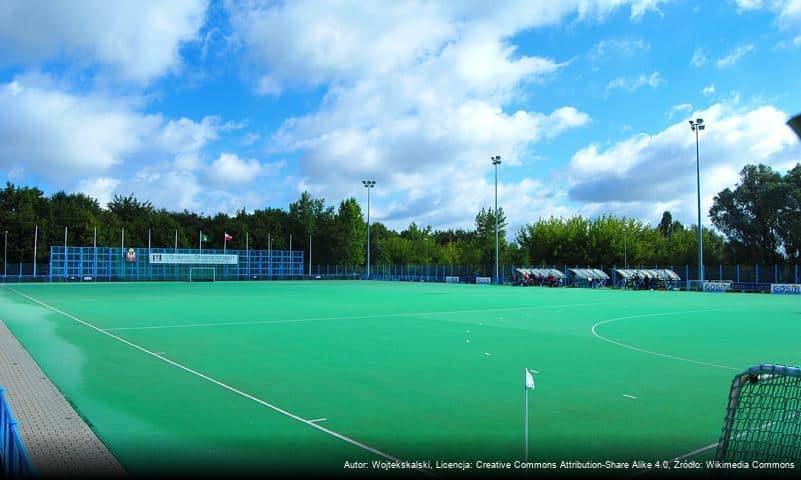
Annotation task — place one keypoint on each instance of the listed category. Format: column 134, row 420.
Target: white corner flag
column 529, row 380
column 529, row 386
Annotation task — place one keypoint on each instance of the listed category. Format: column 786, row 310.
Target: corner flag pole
column 529, row 385
column 526, row 420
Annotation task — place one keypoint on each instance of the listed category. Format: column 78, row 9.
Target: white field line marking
column 318, row 420
column 630, row 396
column 650, row 352
column 357, row 317
column 219, row 383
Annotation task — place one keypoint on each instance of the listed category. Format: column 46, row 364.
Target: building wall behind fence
column 109, row 263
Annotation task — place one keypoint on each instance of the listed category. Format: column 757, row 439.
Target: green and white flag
column 204, row 237
column 529, row 380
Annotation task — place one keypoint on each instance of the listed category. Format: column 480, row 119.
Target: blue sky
column 216, row 106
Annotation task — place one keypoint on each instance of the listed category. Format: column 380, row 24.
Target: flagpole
column 528, row 384
column 290, row 256
column 176, row 241
column 94, row 255
column 225, row 241
column 525, row 392
column 65, row 252
column 269, row 256
column 5, row 254
column 35, row 240
column 310, row 245
column 200, row 240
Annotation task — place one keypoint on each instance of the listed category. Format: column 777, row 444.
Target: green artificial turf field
column 311, row 374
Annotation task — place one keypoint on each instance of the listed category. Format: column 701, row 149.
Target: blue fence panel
column 13, row 456
column 112, row 263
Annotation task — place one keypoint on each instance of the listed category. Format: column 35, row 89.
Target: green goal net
column 201, row 274
column 763, row 417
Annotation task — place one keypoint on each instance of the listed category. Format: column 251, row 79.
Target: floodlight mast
column 496, row 160
column 697, row 126
column 368, row 184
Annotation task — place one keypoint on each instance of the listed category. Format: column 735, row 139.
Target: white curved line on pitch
column 651, row 352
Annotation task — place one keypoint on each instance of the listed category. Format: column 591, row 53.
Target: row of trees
column 760, row 218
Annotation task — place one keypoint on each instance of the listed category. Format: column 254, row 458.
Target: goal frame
column 194, row 268
column 739, row 395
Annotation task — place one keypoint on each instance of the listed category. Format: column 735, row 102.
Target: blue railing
column 114, row 264
column 13, row 456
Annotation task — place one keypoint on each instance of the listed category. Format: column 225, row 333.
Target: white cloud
column 736, row 54
column 708, row 90
column 699, row 58
column 100, row 188
column 137, row 40
column 680, row 108
column 184, row 136
column 415, row 97
column 229, row 169
column 640, row 7
column 103, row 146
column 57, row 134
column 639, row 176
column 630, row 85
column 788, row 11
column 744, row 5
column 269, row 85
column 302, row 44
column 790, row 14
column 618, row 48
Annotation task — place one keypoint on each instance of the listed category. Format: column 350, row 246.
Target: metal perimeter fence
column 81, row 265
column 13, row 456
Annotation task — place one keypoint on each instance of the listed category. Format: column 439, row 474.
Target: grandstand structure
column 539, row 276
column 635, row 278
column 587, row 277
column 78, row 264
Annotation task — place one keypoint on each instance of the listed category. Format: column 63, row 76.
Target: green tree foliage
column 350, row 233
column 751, row 214
column 609, row 240
column 666, row 224
column 790, row 216
column 760, row 216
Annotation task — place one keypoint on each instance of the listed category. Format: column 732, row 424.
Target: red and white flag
column 228, row 237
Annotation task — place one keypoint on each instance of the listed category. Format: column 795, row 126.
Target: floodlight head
column 496, row 159
column 701, row 127
column 795, row 124
column 699, row 121
column 368, row 183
